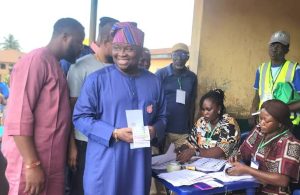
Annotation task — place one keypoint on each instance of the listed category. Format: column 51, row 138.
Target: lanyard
column 272, row 79
column 179, row 82
column 208, row 138
column 263, row 144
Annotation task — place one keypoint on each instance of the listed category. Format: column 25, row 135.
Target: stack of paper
column 184, row 177
column 140, row 133
column 161, row 161
column 208, row 164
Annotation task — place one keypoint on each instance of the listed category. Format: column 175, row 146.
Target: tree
column 10, row 43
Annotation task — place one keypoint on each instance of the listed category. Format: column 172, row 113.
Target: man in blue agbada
column 112, row 168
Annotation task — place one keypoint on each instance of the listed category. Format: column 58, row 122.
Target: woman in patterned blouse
column 215, row 134
column 272, row 149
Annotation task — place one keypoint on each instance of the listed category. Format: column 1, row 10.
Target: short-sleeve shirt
column 76, row 77
column 296, row 81
column 279, row 156
column 225, row 135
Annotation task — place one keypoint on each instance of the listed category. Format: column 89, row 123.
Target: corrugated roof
column 10, row 55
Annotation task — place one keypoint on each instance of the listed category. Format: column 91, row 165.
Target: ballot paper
column 221, row 175
column 183, row 177
column 161, row 161
column 140, row 133
column 208, row 164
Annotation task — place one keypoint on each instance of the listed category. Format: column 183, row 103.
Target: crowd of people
column 67, row 108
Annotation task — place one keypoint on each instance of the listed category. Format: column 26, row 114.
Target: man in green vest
column 278, row 69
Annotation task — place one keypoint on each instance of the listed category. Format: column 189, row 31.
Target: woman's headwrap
column 127, row 32
column 278, row 110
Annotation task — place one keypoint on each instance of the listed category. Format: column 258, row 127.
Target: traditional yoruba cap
column 180, row 46
column 127, row 32
column 278, row 110
column 280, row 37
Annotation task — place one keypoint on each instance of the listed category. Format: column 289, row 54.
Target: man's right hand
column 35, row 180
column 72, row 155
column 124, row 134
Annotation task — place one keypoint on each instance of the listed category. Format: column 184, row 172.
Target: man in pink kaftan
column 38, row 115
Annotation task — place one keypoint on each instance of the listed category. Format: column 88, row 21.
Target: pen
column 255, row 113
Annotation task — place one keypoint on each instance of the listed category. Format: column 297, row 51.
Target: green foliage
column 10, row 43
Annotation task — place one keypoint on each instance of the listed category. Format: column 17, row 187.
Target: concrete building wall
column 7, row 60
column 230, row 40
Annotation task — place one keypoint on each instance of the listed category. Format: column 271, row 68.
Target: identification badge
column 254, row 164
column 180, row 96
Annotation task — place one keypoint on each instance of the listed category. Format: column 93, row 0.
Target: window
column 3, row 66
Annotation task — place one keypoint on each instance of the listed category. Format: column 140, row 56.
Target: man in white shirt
column 76, row 77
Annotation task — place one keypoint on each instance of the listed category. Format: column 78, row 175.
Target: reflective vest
column 267, row 84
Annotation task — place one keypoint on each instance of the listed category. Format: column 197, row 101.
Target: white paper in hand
column 140, row 133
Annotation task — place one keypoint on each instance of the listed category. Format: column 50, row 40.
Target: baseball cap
column 280, row 37
column 180, row 46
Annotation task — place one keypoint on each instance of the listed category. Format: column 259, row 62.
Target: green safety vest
column 266, row 84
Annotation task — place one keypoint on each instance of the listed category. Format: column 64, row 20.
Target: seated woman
column 272, row 149
column 215, row 134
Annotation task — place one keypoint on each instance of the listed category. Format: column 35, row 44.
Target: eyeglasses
column 180, row 55
column 126, row 48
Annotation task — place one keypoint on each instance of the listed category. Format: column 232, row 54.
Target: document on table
column 140, row 133
column 227, row 178
column 208, row 164
column 183, row 177
column 161, row 161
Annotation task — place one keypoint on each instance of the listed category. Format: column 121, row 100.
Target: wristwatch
column 197, row 152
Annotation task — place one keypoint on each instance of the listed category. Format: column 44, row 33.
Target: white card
column 180, row 96
column 254, row 164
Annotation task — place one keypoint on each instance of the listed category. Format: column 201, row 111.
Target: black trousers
column 3, row 181
column 76, row 176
